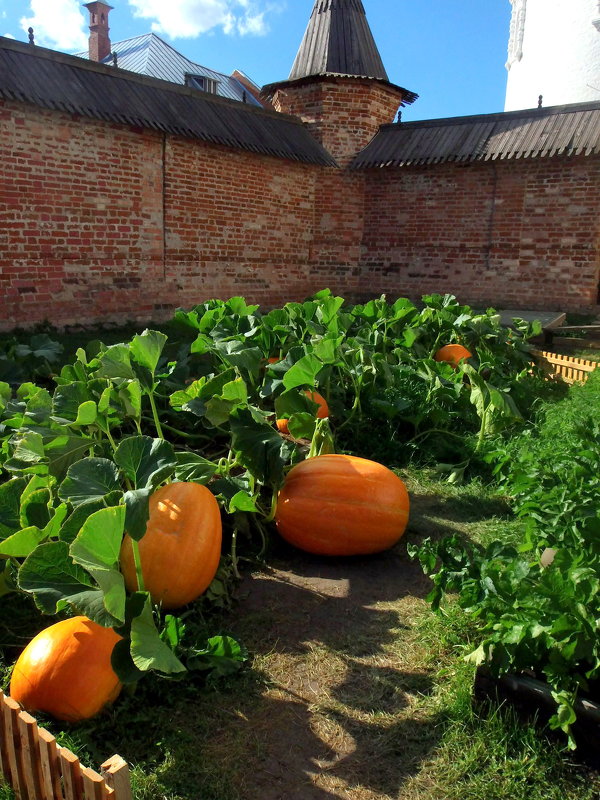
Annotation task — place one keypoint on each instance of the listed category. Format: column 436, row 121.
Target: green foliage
column 537, row 605
column 79, row 459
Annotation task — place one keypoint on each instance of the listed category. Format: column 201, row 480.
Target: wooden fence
column 571, row 370
column 37, row 768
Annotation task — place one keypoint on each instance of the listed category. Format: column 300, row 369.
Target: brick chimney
column 100, row 46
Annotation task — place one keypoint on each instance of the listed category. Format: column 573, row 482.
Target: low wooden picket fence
column 571, row 370
column 37, row 768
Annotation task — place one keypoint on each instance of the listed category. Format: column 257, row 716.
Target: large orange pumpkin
column 452, row 353
column 181, row 548
column 338, row 505
column 65, row 670
column 322, row 411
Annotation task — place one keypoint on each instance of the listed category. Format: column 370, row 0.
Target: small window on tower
column 201, row 82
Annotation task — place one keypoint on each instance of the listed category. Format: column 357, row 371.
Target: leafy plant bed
column 533, row 699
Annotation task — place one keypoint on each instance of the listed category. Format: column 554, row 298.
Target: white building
column 554, row 51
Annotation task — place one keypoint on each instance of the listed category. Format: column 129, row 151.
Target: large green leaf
column 146, row 462
column 138, row 512
column 259, row 447
column 304, row 372
column 88, row 480
column 71, row 403
column 115, row 362
column 57, row 583
column 97, row 548
column 146, row 348
column 194, row 468
column 10, row 505
column 148, row 651
column 28, row 455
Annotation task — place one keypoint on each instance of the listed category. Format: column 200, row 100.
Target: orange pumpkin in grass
column 181, row 548
column 339, row 505
column 65, row 670
column 452, row 354
column 322, row 411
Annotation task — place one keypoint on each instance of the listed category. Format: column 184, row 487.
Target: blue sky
column 451, row 52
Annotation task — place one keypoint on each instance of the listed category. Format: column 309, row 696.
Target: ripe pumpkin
column 65, row 670
column 181, row 548
column 452, row 353
column 339, row 505
column 322, row 411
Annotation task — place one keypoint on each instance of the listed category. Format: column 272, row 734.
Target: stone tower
column 338, row 84
column 554, row 51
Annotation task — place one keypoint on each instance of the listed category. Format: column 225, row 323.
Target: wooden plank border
column 36, row 768
column 571, row 370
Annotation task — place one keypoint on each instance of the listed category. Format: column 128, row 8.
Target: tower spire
column 338, row 41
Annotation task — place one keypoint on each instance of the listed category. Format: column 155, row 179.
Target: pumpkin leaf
column 148, row 651
column 10, row 504
column 303, row 373
column 57, row 583
column 194, row 468
column 259, row 447
column 89, row 480
column 146, row 462
column 146, row 348
column 224, row 655
column 137, row 512
column 97, row 548
column 115, row 362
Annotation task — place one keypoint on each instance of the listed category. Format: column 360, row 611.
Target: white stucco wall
column 554, row 50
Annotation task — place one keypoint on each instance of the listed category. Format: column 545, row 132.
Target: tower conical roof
column 338, row 40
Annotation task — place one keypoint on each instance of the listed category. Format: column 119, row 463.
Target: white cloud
column 190, row 18
column 8, row 36
column 59, row 24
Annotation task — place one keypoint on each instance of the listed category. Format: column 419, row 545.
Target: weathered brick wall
column 522, row 233
column 100, row 222
column 343, row 114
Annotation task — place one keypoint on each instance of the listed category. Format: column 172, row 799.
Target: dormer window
column 201, row 82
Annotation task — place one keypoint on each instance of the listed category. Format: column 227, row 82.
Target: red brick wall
column 343, row 114
column 81, row 222
column 523, row 233
column 99, row 222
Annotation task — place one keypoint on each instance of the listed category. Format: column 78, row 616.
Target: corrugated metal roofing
column 150, row 55
column 338, row 40
column 338, row 43
column 532, row 133
column 66, row 83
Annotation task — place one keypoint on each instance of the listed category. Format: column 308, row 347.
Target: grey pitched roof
column 338, row 40
column 532, row 133
column 150, row 55
column 338, row 43
column 61, row 82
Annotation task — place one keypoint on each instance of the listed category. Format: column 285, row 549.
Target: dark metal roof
column 338, row 40
column 532, row 133
column 338, row 43
column 61, row 82
column 150, row 55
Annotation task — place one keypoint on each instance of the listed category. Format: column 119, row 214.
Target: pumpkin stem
column 138, row 565
column 155, row 415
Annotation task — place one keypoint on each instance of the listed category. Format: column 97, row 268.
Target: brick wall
column 522, row 233
column 343, row 114
column 100, row 222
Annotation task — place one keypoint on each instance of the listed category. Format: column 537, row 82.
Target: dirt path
column 337, row 711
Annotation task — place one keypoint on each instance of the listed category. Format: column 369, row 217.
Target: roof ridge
column 546, row 111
